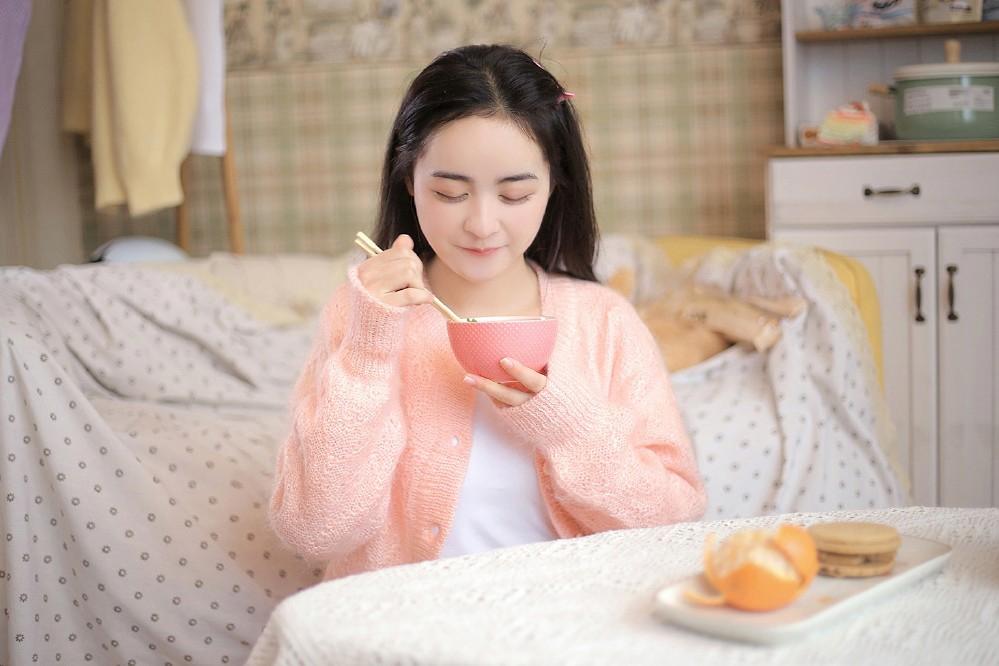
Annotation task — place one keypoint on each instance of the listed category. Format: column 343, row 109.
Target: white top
column 500, row 502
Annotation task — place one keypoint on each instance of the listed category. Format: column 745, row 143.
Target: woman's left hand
column 528, row 383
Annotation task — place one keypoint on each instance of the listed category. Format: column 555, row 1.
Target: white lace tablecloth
column 589, row 601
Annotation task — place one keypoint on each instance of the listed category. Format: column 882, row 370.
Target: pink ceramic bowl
column 480, row 345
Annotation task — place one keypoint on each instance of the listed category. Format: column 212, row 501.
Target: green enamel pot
column 947, row 101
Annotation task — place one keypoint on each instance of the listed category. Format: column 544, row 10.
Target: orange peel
column 758, row 570
column 695, row 597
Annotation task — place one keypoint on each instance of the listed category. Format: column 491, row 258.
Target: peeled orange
column 759, row 570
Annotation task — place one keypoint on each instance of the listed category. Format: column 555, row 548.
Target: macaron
column 855, row 549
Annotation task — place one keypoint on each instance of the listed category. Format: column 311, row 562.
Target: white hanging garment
column 205, row 20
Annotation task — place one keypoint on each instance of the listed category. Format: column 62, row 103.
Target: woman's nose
column 482, row 221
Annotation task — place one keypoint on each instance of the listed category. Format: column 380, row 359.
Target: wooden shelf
column 890, row 148
column 899, row 31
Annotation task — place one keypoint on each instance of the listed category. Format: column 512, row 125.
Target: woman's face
column 480, row 188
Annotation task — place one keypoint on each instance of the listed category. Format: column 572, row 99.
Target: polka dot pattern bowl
column 480, row 345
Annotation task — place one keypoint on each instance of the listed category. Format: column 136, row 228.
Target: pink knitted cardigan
column 381, row 430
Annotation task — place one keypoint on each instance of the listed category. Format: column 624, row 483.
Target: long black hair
column 496, row 81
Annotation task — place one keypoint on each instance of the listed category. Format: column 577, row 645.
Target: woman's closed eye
column 450, row 198
column 461, row 197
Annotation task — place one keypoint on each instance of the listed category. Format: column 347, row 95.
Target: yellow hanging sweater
column 130, row 81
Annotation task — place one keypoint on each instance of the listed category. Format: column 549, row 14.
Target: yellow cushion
column 851, row 273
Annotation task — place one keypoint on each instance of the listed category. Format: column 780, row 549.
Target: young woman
column 395, row 454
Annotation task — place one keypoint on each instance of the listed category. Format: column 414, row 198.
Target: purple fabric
column 14, row 16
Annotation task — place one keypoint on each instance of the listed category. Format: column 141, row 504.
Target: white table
column 589, row 601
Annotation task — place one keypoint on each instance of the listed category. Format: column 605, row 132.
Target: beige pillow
column 280, row 289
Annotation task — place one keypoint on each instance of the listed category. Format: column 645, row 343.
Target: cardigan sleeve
column 334, row 472
column 614, row 451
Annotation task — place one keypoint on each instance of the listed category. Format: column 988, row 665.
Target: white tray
column 825, row 600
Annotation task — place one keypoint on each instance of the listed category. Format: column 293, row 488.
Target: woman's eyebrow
column 465, row 179
column 517, row 177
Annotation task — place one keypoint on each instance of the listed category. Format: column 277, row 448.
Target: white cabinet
column 927, row 229
column 924, row 220
column 968, row 270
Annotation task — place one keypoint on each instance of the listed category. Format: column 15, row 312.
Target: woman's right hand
column 395, row 277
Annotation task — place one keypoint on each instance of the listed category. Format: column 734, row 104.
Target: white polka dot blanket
column 803, row 427
column 139, row 417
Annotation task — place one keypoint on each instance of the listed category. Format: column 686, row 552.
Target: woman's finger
column 503, row 393
column 391, row 275
column 402, row 242
column 531, row 380
column 408, row 296
column 380, row 282
column 401, row 259
column 395, row 276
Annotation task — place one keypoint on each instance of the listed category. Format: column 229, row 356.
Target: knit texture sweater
column 371, row 471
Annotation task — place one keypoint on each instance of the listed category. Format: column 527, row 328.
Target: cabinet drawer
column 933, row 189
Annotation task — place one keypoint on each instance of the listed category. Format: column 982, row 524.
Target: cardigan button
column 455, row 441
column 434, row 530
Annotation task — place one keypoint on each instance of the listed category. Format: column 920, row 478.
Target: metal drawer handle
column 919, row 294
column 951, row 270
column 890, row 191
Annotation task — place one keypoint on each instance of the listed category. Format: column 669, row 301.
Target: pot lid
column 945, row 70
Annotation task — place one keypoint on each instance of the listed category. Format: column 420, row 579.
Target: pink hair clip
column 566, row 95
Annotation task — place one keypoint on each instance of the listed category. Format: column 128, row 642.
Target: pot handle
column 881, row 89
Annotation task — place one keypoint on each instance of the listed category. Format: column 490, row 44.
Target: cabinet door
column 968, row 274
column 901, row 263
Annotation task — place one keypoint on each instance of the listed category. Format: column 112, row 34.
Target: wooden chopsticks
column 362, row 241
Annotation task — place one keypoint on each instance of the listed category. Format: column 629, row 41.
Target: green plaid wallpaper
column 677, row 116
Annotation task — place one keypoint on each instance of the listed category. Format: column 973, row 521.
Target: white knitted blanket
column 589, row 601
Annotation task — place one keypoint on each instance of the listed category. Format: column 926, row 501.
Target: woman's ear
column 409, row 185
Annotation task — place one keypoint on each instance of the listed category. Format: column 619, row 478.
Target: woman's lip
column 480, row 252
